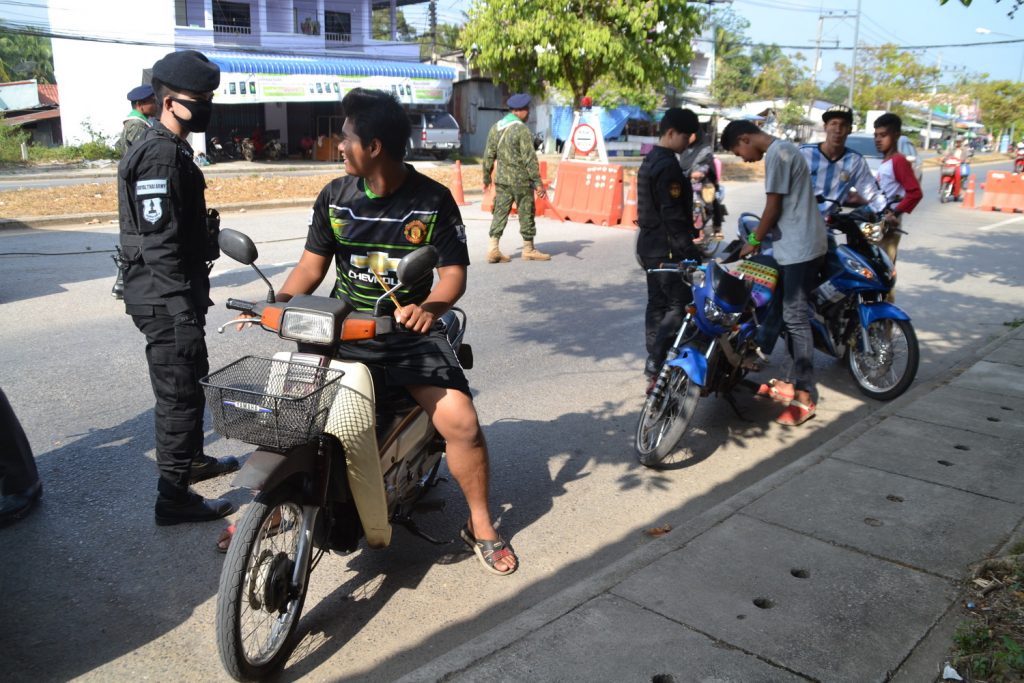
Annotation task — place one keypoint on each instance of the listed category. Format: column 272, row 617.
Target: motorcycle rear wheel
column 888, row 368
column 258, row 605
column 665, row 418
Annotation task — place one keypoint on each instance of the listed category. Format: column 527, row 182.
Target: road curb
column 683, row 531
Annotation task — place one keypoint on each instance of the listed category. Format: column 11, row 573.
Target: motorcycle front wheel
column 888, row 366
column 260, row 597
column 664, row 419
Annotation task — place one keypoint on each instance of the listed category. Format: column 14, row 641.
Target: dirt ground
column 101, row 196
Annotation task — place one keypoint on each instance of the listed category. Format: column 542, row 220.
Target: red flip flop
column 772, row 391
column 796, row 413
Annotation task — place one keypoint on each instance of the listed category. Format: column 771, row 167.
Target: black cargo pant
column 667, row 297
column 180, row 402
column 17, row 466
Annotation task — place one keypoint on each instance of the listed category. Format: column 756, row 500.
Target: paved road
column 94, row 590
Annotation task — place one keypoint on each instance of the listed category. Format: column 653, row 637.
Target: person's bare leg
column 455, row 419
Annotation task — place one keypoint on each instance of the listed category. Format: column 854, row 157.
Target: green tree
column 24, row 56
column 1016, row 5
column 380, row 25
column 779, row 76
column 734, row 70
column 447, row 40
column 886, row 76
column 613, row 51
column 835, row 92
column 999, row 102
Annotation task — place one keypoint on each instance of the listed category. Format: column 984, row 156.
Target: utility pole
column 816, row 66
column 931, row 105
column 853, row 64
column 433, row 31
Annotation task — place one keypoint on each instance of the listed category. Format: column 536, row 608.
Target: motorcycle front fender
column 265, row 471
column 693, row 363
column 881, row 310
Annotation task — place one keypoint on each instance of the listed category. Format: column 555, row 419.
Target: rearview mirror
column 238, row 246
column 417, row 265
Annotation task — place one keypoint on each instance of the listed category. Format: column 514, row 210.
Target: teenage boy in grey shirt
column 799, row 241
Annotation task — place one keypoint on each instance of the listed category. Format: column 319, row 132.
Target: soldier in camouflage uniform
column 138, row 120
column 518, row 177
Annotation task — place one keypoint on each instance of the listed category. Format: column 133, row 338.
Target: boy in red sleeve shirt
column 896, row 178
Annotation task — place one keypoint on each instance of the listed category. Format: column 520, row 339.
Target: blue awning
column 244, row 63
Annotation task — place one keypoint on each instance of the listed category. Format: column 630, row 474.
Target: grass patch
column 989, row 644
column 1015, row 323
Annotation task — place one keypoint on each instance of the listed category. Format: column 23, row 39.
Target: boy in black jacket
column 665, row 216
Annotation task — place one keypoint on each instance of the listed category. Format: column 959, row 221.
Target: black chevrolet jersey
column 371, row 235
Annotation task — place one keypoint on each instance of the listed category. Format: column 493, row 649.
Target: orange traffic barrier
column 457, row 192
column 589, row 193
column 969, row 193
column 1015, row 187
column 629, row 208
column 1003, row 192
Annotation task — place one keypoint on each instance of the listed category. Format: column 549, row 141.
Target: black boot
column 206, row 467
column 15, row 506
column 176, row 505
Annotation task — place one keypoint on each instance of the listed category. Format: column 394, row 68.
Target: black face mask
column 201, row 111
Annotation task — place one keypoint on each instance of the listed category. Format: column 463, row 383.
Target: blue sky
column 795, row 22
column 905, row 22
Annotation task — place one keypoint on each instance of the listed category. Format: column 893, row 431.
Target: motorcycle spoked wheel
column 946, row 192
column 258, row 606
column 665, row 418
column 888, row 367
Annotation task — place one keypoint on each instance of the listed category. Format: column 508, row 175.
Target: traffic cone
column 457, row 192
column 969, row 194
column 629, row 210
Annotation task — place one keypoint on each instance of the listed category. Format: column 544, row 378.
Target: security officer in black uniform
column 169, row 241
column 665, row 216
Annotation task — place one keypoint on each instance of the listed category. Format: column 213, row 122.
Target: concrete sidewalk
column 844, row 566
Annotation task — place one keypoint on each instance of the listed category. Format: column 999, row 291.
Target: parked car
column 433, row 133
column 864, row 143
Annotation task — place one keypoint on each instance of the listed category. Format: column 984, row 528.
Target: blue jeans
column 789, row 310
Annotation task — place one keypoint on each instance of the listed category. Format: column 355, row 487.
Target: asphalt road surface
column 92, row 589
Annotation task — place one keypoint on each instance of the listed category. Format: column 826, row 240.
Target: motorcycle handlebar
column 240, row 305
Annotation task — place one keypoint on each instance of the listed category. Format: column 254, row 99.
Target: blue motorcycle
column 708, row 353
column 850, row 318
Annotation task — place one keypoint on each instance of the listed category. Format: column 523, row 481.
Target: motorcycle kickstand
column 731, row 400
column 410, row 524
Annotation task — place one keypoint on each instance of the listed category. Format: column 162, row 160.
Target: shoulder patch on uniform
column 148, row 187
column 675, row 189
column 152, row 210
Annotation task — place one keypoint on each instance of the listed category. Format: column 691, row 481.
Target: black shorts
column 405, row 358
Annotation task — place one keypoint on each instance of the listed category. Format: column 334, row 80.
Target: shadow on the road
column 997, row 249
column 88, row 577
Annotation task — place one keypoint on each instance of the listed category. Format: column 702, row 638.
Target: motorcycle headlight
column 715, row 314
column 861, row 270
column 315, row 327
column 872, row 231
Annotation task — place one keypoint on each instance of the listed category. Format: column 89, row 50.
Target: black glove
column 188, row 336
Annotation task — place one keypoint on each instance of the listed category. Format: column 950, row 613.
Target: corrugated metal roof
column 48, row 94
column 30, row 118
column 240, row 62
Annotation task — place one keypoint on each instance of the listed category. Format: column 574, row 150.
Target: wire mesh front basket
column 271, row 403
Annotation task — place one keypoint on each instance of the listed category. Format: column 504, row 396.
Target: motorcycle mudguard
column 352, row 420
column 693, row 363
column 881, row 310
column 264, row 470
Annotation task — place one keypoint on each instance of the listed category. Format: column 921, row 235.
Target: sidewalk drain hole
column 741, row 616
column 763, row 603
column 961, row 447
column 944, row 463
column 1006, row 408
column 871, row 521
column 663, row 678
column 894, row 499
column 993, row 419
column 800, row 573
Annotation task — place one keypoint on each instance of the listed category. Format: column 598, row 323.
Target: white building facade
column 285, row 64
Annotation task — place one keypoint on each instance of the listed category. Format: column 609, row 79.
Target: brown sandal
column 772, row 391
column 796, row 413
